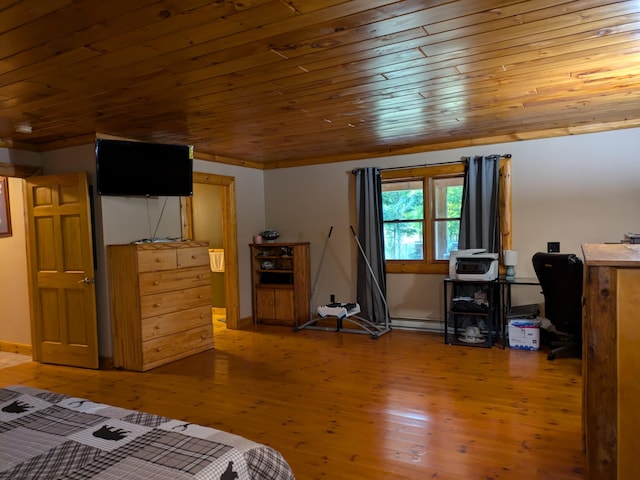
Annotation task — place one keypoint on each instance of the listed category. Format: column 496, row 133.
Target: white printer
column 474, row 264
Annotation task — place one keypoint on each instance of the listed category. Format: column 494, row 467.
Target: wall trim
column 13, row 347
column 424, row 325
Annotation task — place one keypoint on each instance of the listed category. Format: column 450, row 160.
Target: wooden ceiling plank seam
column 356, row 72
column 580, row 48
column 73, row 17
column 514, row 13
column 203, row 42
column 460, row 39
column 14, row 15
column 163, row 20
column 201, row 57
column 596, row 28
column 360, row 26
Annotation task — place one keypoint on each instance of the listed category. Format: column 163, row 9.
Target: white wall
column 15, row 323
column 571, row 189
column 20, row 157
column 574, row 189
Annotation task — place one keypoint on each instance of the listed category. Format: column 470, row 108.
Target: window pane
column 447, row 199
column 447, row 204
column 403, row 241
column 447, row 233
column 403, row 200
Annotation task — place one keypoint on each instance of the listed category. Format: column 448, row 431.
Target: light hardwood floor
column 344, row 406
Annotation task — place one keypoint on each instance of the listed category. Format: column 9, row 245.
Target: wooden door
column 61, row 271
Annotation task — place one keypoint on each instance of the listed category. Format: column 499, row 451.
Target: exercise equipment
column 346, row 312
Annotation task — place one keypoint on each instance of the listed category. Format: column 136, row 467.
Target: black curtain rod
column 462, row 160
column 506, row 155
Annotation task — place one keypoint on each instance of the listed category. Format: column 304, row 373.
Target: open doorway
column 211, row 212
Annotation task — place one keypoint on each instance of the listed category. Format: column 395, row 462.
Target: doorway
column 211, row 212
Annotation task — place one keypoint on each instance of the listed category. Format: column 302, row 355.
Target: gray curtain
column 479, row 222
column 371, row 239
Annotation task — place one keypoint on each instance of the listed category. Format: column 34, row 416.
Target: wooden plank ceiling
column 272, row 83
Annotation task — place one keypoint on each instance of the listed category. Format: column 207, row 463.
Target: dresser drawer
column 193, row 257
column 154, row 260
column 170, row 323
column 165, row 281
column 167, row 302
column 172, row 347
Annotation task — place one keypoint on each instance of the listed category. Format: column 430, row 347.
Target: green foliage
column 403, row 214
column 402, row 205
column 454, row 207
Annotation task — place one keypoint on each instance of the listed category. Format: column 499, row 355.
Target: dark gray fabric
column 48, row 435
column 370, row 236
column 479, row 222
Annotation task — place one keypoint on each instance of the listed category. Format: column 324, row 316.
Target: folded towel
column 216, row 259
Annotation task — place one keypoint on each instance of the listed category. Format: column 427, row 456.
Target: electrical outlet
column 553, row 247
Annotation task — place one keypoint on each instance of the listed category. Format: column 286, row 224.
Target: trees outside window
column 421, row 216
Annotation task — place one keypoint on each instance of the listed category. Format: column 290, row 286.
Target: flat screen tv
column 143, row 169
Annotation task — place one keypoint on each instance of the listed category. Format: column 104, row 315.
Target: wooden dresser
column 611, row 361
column 160, row 302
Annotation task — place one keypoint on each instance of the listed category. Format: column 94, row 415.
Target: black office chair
column 560, row 276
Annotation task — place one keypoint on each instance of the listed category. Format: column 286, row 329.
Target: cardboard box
column 524, row 333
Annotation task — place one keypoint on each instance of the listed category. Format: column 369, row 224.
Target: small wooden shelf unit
column 280, row 283
column 160, row 302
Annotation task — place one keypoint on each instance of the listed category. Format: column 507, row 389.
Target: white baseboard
column 427, row 325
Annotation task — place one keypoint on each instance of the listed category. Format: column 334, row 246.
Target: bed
column 47, row 435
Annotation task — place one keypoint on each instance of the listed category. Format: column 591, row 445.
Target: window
column 403, row 218
column 421, row 216
column 446, row 199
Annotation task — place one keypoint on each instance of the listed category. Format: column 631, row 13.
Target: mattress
column 47, row 435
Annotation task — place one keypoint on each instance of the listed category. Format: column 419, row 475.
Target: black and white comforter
column 46, row 435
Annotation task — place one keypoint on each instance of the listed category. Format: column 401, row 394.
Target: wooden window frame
column 427, row 173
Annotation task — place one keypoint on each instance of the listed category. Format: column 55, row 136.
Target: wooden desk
column 611, row 361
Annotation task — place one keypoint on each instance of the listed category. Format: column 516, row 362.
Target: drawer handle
column 201, row 315
column 158, row 260
column 156, row 305
column 199, row 297
column 203, row 337
column 193, row 257
column 156, row 282
column 200, row 276
column 157, row 327
column 159, row 349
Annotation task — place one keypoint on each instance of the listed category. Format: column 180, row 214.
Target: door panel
column 61, row 274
